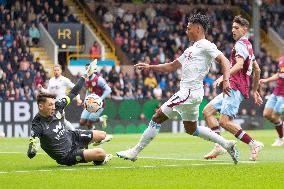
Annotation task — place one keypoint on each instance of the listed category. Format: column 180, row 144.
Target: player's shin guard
column 148, row 135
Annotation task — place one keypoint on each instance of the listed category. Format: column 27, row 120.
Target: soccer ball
column 93, row 103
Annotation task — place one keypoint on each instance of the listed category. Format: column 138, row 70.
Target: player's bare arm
column 255, row 84
column 225, row 64
column 167, row 67
column 267, row 80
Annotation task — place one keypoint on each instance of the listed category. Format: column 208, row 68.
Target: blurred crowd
column 157, row 35
column 20, row 72
column 154, row 35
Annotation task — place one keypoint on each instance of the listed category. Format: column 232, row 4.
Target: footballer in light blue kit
column 242, row 66
column 274, row 106
column 95, row 84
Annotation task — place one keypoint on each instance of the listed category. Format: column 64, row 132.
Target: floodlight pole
column 256, row 27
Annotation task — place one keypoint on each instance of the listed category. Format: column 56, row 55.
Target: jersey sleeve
column 103, row 84
column 36, row 130
column 212, row 50
column 181, row 58
column 241, row 50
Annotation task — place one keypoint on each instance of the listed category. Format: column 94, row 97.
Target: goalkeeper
column 63, row 145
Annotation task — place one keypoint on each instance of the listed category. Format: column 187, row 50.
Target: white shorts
column 184, row 103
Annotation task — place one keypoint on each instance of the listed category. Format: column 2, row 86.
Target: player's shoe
column 107, row 139
column 104, row 120
column 130, row 154
column 217, row 151
column 231, row 148
column 255, row 149
column 106, row 160
column 278, row 142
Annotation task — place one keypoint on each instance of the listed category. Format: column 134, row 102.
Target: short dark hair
column 41, row 97
column 201, row 19
column 241, row 21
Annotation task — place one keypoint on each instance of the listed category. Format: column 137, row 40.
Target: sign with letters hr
column 66, row 33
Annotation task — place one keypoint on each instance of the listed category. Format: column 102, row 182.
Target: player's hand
column 33, row 147
column 142, row 66
column 91, row 69
column 262, row 81
column 217, row 82
column 39, row 86
column 79, row 102
column 226, row 87
column 257, row 98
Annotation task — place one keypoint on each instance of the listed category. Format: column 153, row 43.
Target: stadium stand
column 143, row 36
column 156, row 35
column 20, row 71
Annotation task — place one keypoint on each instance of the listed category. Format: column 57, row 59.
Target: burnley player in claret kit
column 274, row 107
column 243, row 66
column 95, row 84
column 61, row 144
column 194, row 63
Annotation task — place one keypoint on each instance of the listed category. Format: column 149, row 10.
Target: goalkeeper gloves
column 33, row 147
column 91, row 69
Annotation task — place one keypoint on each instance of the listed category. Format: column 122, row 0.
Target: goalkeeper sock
column 149, row 134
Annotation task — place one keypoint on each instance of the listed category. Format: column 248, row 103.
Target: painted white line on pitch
column 190, row 159
column 165, row 158
column 19, row 153
column 105, row 168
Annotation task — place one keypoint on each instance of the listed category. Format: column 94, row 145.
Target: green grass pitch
column 170, row 161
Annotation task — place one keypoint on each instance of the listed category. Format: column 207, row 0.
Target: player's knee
column 206, row 113
column 189, row 130
column 89, row 124
column 190, row 127
column 159, row 117
column 99, row 135
column 223, row 122
column 274, row 117
column 99, row 154
column 82, row 122
column 267, row 115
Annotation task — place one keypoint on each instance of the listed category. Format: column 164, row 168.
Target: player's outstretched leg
column 207, row 134
column 149, row 134
column 273, row 110
column 209, row 114
column 255, row 146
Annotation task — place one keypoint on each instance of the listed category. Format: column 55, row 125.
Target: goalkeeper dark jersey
column 55, row 138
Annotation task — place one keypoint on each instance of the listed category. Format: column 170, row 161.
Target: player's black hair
column 241, row 21
column 41, row 97
column 201, row 19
